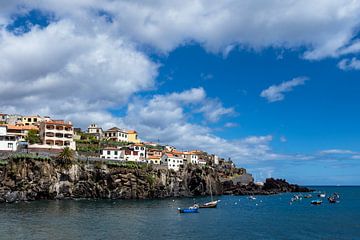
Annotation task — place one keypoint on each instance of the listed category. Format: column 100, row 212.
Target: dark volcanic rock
column 271, row 186
column 30, row 179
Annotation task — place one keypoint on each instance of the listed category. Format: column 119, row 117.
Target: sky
column 272, row 85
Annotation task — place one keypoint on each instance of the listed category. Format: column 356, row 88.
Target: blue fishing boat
column 188, row 210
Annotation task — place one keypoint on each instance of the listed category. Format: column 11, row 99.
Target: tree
column 32, row 137
column 66, row 156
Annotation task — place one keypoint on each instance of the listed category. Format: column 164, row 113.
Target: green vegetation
column 150, row 178
column 3, row 162
column 26, row 156
column 66, row 156
column 33, row 137
column 130, row 165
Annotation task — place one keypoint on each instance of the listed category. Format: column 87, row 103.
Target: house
column 116, row 134
column 30, row 120
column 7, row 142
column 96, row 131
column 20, row 131
column 154, row 152
column 112, row 153
column 153, row 160
column 192, row 157
column 57, row 134
column 140, row 148
column 133, row 136
column 172, row 161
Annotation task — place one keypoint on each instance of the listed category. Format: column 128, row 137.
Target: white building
column 116, row 134
column 112, row 154
column 192, row 157
column 172, row 161
column 57, row 134
column 7, row 142
column 93, row 129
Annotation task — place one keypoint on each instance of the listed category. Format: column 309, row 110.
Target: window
column 108, row 152
column 115, row 153
column 142, row 149
column 10, row 145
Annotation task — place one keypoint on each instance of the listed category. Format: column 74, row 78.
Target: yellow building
column 133, row 136
column 30, row 120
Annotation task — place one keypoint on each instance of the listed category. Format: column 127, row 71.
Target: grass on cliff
column 26, row 156
column 130, row 165
column 3, row 162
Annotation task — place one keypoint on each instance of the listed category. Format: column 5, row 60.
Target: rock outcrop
column 271, row 186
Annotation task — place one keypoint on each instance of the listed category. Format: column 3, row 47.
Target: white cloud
column 349, row 64
column 325, row 28
column 164, row 118
column 276, row 92
column 64, row 71
column 336, row 151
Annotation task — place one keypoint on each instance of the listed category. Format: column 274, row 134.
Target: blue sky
column 277, row 93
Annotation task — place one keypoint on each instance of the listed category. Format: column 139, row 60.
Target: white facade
column 96, row 131
column 7, row 142
column 172, row 162
column 192, row 158
column 216, row 159
column 57, row 134
column 140, row 149
column 112, row 154
column 116, row 134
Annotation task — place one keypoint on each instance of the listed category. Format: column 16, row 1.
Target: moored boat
column 212, row 204
column 189, row 210
column 252, row 197
column 308, row 196
column 334, row 198
column 316, row 202
column 322, row 195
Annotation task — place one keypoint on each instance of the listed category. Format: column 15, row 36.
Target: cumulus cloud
column 64, row 71
column 276, row 92
column 325, row 29
column 164, row 118
column 349, row 64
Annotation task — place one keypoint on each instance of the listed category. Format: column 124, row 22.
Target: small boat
column 296, row 198
column 334, row 198
column 316, row 202
column 211, row 204
column 252, row 197
column 322, row 195
column 189, row 210
column 308, row 196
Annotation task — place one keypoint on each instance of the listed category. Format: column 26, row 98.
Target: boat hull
column 187, row 210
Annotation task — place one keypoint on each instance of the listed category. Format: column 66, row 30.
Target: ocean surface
column 237, row 217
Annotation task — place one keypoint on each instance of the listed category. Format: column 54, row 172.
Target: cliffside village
column 17, row 134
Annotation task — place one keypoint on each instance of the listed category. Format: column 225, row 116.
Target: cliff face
column 30, row 179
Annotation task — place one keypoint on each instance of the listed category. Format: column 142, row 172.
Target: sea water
column 237, row 217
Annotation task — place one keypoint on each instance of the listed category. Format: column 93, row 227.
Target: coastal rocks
column 271, row 186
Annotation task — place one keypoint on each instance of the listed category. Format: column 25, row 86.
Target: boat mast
column 211, row 192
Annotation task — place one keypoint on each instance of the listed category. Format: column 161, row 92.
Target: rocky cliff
column 28, row 179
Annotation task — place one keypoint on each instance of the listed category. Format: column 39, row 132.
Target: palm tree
column 66, row 156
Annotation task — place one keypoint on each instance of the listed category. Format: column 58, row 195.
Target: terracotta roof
column 153, row 157
column 58, row 122
column 115, row 129
column 131, row 131
column 26, row 127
